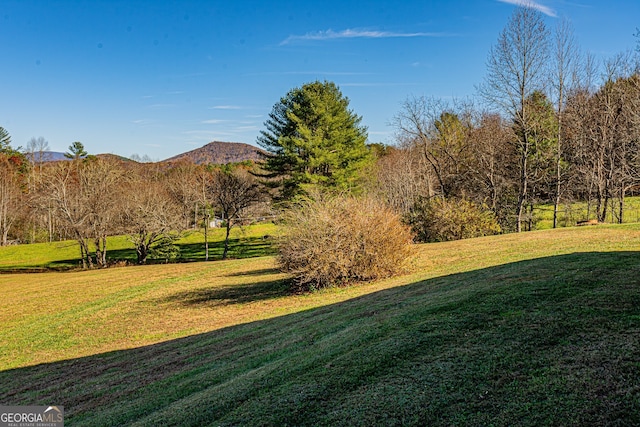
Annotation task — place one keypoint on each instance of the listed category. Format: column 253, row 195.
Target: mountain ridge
column 214, row 152
column 219, row 152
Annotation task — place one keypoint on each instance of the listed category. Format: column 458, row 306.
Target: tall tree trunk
column 621, row 206
column 206, row 237
column 556, row 201
column 524, row 183
column 226, row 239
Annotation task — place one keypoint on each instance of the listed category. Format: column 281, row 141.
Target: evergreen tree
column 313, row 139
column 76, row 151
column 5, row 140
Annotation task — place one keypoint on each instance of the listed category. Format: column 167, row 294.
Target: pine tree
column 76, row 151
column 5, row 140
column 312, row 139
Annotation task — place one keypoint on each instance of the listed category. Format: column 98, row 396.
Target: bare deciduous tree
column 516, row 69
column 85, row 195
column 403, row 178
column 234, row 192
column 564, row 78
column 492, row 170
column 149, row 213
column 11, row 195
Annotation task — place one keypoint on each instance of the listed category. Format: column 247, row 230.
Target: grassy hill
column 541, row 328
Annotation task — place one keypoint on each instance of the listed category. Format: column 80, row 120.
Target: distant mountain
column 55, row 156
column 216, row 152
column 220, row 153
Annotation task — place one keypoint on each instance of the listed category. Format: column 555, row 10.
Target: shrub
column 165, row 248
column 330, row 241
column 439, row 220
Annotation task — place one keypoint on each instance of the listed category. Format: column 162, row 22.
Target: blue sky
column 159, row 78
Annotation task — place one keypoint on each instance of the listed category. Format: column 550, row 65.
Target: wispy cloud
column 355, row 34
column 213, row 121
column 533, row 5
column 226, row 107
column 142, row 121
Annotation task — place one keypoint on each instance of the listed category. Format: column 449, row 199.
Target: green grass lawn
column 539, row 328
column 245, row 242
column 570, row 214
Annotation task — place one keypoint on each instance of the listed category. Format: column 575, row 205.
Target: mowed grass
column 570, row 214
column 245, row 242
column 541, row 328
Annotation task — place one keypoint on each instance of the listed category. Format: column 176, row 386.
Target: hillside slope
column 219, row 153
column 541, row 328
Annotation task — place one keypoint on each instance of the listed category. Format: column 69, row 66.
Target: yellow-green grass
column 570, row 214
column 249, row 241
column 539, row 328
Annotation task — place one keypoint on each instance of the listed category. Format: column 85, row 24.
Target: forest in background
column 550, row 125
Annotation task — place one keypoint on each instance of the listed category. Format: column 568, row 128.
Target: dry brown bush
column 331, row 241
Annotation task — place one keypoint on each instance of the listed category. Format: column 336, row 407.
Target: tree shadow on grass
column 254, row 273
column 549, row 341
column 239, row 248
column 231, row 294
column 245, row 247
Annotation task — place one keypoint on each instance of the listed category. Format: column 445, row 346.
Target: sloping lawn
column 541, row 328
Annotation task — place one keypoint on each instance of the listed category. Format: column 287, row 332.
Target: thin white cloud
column 213, row 121
column 533, row 5
column 226, row 107
column 355, row 34
column 142, row 121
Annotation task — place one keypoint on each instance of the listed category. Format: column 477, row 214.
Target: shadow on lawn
column 549, row 341
column 232, row 294
column 239, row 248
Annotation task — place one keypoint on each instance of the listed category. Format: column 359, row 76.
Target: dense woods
column 550, row 126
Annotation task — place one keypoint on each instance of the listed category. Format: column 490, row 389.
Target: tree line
column 549, row 125
column 88, row 198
